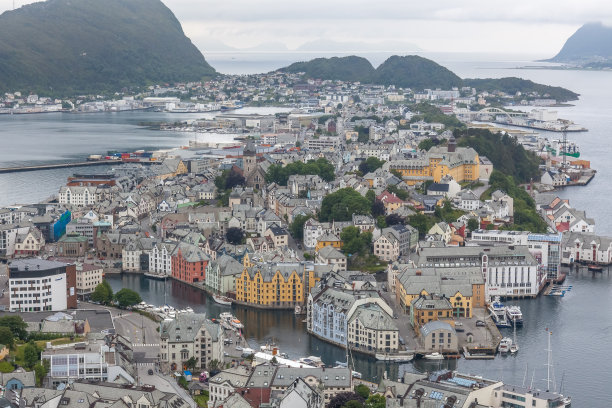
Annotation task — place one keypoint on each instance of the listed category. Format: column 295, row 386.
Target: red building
column 189, row 263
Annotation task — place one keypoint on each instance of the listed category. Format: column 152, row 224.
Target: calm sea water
column 581, row 322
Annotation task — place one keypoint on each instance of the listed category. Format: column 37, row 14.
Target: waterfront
column 580, row 335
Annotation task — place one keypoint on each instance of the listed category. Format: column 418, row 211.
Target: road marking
column 145, row 345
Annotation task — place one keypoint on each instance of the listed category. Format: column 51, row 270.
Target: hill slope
column 349, row 68
column 412, row 71
column 591, row 42
column 66, row 47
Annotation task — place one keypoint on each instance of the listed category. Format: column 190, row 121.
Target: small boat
column 237, row 324
column 595, row 268
column 505, row 344
column 188, row 310
column 499, row 313
column 514, row 348
column 394, row 358
column 222, row 300
column 434, row 356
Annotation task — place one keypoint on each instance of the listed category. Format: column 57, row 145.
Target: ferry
column 499, row 313
column 515, row 316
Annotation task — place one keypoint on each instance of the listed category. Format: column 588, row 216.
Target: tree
column 191, row 363
column 380, row 222
column 233, row 179
column 353, row 404
column 422, row 223
column 393, row 219
column 213, row 365
column 371, row 196
column 376, row 401
column 16, row 324
column 320, row 167
column 234, row 235
column 127, row 297
column 6, row 337
column 342, row 204
column 6, row 367
column 343, row 398
column 41, row 369
column 102, row 293
column 363, row 391
column 182, row 382
column 370, row 164
column 30, row 355
column 297, row 226
column 426, row 144
column 355, row 241
column 378, row 208
column 472, row 224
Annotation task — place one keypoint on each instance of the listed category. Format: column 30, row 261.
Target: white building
column 78, row 196
column 160, row 258
column 314, row 229
column 37, row 285
column 88, row 276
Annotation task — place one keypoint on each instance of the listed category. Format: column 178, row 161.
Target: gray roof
column 436, row 325
column 372, row 316
column 184, row 328
column 330, row 377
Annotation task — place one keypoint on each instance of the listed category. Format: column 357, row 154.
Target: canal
column 580, row 322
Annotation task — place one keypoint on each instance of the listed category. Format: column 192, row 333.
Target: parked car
column 150, row 372
column 480, row 323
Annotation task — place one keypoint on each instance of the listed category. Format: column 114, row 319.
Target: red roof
column 255, row 396
column 387, row 197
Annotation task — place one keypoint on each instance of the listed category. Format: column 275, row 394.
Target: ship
column 499, row 313
column 515, row 316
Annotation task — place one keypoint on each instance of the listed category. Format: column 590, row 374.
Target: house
column 371, row 329
column 188, row 263
column 439, row 336
column 468, row 201
column 29, row 243
column 301, row 395
column 225, row 383
column 314, row 229
column 329, row 240
column 331, row 256
column 222, row 273
column 443, row 230
column 332, row 381
column 278, row 235
column 190, row 335
column 390, row 201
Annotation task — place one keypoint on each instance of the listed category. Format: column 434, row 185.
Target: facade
column 329, row 240
column 82, row 226
column 331, row 256
column 224, row 384
column 191, row 335
column 78, row 196
column 332, row 381
column 189, row 263
column 578, row 247
column 371, row 329
column 301, row 395
column 72, row 246
column 278, row 235
column 439, row 336
column 314, row 229
column 428, row 308
column 88, row 276
column 29, row 243
column 37, row 285
column 160, row 258
column 222, row 273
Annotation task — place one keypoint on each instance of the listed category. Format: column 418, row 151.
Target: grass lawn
column 65, row 340
column 201, row 400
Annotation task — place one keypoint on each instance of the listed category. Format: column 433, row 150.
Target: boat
column 434, row 356
column 311, row 361
column 514, row 348
column 499, row 313
column 394, row 358
column 188, row 310
column 514, row 315
column 236, row 323
column 595, row 268
column 222, row 300
column 504, row 345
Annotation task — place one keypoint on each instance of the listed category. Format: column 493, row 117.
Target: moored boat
column 515, row 316
column 595, row 268
column 504, row 345
column 434, row 356
column 394, row 358
column 222, row 300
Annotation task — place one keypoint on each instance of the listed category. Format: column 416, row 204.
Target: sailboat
column 514, row 348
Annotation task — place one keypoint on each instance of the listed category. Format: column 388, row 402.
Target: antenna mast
column 549, row 362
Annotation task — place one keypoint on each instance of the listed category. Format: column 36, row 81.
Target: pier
column 19, row 169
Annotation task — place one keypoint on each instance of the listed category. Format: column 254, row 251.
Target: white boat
column 499, row 313
column 514, row 348
column 505, row 344
column 394, row 358
column 311, row 361
column 222, row 300
column 236, row 323
column 188, row 310
column 515, row 316
column 226, row 316
column 434, row 356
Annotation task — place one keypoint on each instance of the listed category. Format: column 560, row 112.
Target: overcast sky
column 516, row 26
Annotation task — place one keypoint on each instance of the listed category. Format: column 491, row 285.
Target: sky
column 535, row 27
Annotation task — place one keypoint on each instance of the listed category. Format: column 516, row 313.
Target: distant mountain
column 417, row 73
column 68, row 47
column 324, row 45
column 591, row 43
column 412, row 71
column 353, row 69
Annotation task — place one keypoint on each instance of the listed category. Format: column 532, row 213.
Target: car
column 299, row 246
column 150, row 372
column 480, row 323
column 225, row 354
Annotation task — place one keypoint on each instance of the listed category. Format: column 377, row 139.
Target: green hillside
column 67, row 47
column 352, row 68
column 412, row 71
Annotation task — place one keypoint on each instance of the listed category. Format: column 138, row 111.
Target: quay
column 67, row 165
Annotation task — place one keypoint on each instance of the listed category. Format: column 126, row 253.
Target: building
column 428, row 308
column 29, row 243
column 82, row 226
column 78, row 196
column 314, row 229
column 439, row 336
column 328, row 240
column 462, row 163
column 72, row 246
column 332, row 381
column 395, row 241
column 579, row 247
column 160, row 258
column 189, row 263
column 371, row 329
column 222, row 273
column 190, row 335
column 283, row 285
column 301, row 395
column 88, row 276
column 37, row 285
column 225, row 383
column 278, row 235
column 331, row 256
column 508, row 271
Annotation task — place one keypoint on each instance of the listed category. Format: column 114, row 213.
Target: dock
column 18, row 169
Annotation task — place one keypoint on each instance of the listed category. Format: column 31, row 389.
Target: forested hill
column 416, row 73
column 67, row 47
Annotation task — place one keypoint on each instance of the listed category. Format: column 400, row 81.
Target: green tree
column 371, row 196
column 297, row 226
column 213, row 365
column 380, row 222
column 191, row 363
column 6, row 367
column 31, row 355
column 6, row 337
column 355, row 241
column 16, row 324
column 234, row 235
column 342, row 204
column 41, row 369
column 422, row 223
column 363, row 391
column 376, row 401
column 127, row 297
column 370, row 164
column 183, row 383
column 320, row 167
column 426, row 144
column 102, row 293
column 472, row 224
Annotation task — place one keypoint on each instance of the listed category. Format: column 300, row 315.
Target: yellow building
column 463, row 289
column 462, row 163
column 329, row 240
column 282, row 285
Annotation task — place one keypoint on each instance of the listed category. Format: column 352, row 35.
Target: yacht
column 505, row 344
column 498, row 313
column 515, row 316
column 222, row 300
column 188, row 310
column 434, row 356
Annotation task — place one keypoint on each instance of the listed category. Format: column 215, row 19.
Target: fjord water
column 581, row 322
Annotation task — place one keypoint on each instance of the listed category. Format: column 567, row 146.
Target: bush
column 6, row 367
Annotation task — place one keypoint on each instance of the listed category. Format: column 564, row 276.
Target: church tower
column 249, row 159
